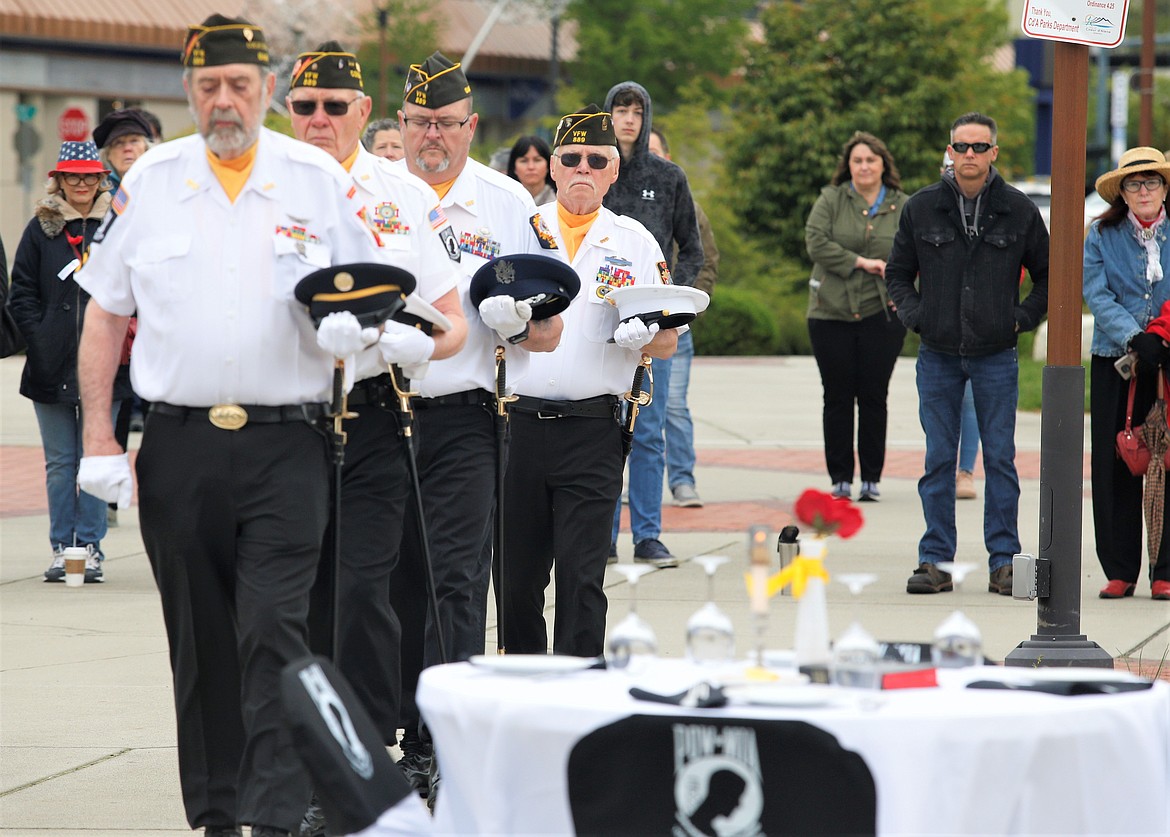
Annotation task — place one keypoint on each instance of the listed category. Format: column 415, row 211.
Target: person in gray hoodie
column 655, row 192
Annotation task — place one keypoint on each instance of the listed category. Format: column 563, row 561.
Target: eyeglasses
column 977, row 147
column 444, row 126
column 307, row 107
column 1152, row 185
column 87, row 179
column 572, row 159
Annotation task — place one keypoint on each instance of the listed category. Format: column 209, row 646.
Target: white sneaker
column 56, row 570
column 685, row 496
column 93, row 565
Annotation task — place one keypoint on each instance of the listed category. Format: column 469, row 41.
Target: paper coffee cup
column 75, row 557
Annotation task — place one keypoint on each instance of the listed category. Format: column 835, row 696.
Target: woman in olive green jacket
column 855, row 334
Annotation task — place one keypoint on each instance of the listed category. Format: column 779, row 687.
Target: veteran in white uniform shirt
column 328, row 109
column 206, row 241
column 565, row 464
column 491, row 216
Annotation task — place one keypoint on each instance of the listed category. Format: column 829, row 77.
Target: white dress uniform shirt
column 404, row 213
column 616, row 252
column 212, row 281
column 491, row 215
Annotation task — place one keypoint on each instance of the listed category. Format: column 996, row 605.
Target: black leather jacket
column 967, row 299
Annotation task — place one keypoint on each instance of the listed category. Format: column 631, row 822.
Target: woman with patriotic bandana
column 48, row 307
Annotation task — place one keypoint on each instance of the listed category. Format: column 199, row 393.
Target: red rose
column 828, row 515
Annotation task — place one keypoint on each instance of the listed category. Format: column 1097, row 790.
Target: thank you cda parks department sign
column 1089, row 22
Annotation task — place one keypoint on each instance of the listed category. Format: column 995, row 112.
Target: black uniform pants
column 856, row 360
column 232, row 522
column 374, row 488
column 564, row 479
column 1117, row 494
column 457, row 472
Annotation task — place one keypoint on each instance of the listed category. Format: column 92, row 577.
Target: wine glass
column 632, row 641
column 856, row 653
column 710, row 634
column 957, row 641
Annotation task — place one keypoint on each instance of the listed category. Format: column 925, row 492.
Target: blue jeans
column 995, row 385
column 969, row 434
column 75, row 518
column 680, row 431
column 647, row 462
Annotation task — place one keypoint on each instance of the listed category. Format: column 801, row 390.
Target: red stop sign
column 73, row 125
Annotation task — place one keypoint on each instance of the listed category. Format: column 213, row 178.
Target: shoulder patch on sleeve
column 547, row 242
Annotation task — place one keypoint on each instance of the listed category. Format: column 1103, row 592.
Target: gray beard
column 441, row 167
column 229, row 143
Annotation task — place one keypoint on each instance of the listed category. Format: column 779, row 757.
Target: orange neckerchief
column 574, row 228
column 443, row 188
column 233, row 174
column 348, row 162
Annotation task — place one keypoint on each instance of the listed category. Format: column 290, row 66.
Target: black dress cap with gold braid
column 435, row 82
column 327, row 66
column 371, row 292
column 590, row 126
column 547, row 284
column 224, row 40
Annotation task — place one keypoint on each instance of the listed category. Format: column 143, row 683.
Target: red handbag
column 1131, row 447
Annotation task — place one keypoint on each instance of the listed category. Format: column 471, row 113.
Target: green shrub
column 738, row 322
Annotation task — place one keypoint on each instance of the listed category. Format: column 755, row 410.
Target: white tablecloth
column 945, row 760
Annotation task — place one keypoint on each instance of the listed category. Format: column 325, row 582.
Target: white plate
column 793, row 696
column 531, row 663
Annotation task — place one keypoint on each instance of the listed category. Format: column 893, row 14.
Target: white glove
column 107, row 478
column 507, row 316
column 405, row 345
column 341, row 335
column 634, row 334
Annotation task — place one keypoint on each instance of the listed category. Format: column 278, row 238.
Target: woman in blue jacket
column 1126, row 283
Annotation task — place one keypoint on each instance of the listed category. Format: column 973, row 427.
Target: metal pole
column 1146, row 76
column 383, row 65
column 1058, row 641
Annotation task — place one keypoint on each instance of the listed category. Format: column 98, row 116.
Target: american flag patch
column 437, row 217
column 121, row 200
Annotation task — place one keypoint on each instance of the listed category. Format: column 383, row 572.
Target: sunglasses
column 977, row 147
column 307, row 107
column 87, row 179
column 573, row 159
column 1152, row 185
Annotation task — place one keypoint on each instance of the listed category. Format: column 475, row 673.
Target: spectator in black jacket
column 965, row 240
column 48, row 306
column 655, row 192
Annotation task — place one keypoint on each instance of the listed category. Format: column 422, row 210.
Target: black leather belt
column 377, row 390
column 466, row 398
column 235, row 416
column 602, row 406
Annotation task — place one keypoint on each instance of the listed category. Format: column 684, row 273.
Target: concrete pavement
column 86, row 719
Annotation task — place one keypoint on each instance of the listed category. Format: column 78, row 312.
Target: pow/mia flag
column 697, row 776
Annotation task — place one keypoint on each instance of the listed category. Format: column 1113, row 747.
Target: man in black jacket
column 655, row 192
column 966, row 239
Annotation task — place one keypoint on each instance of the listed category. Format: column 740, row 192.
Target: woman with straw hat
column 1126, row 284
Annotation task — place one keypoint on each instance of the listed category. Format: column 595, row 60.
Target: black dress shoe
column 268, row 831
column 222, row 831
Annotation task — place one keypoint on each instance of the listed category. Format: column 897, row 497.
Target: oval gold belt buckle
column 228, row 416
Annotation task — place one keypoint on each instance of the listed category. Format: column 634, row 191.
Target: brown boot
column 965, row 486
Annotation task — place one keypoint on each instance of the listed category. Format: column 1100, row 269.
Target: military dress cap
column 78, row 158
column 670, row 306
column 1133, row 161
column 327, row 66
column 371, row 292
column 435, row 83
column 589, row 126
column 224, row 40
column 120, row 123
column 422, row 315
column 547, row 284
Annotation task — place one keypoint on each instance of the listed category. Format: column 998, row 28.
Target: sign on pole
column 1088, row 22
column 73, row 125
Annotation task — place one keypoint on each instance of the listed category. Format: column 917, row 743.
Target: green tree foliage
column 411, row 33
column 661, row 44
column 900, row 69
